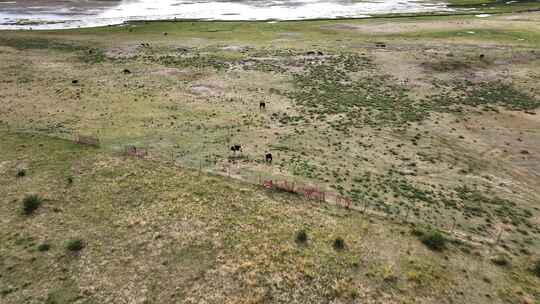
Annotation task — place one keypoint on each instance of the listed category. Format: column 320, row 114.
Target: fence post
column 498, row 237
column 407, row 213
column 200, row 164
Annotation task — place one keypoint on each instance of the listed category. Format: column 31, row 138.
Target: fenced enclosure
column 266, row 176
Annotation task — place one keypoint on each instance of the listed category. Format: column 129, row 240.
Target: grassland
column 435, row 118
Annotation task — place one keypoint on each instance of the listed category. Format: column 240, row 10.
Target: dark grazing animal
column 126, row 71
column 313, row 53
column 236, row 148
column 74, row 81
column 262, row 105
column 268, row 158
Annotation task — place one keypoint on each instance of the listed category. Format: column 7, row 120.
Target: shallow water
column 52, row 14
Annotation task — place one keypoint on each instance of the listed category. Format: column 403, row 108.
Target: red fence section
column 136, row 152
column 88, row 140
column 310, row 192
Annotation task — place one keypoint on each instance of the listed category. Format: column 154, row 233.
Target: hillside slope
column 153, row 233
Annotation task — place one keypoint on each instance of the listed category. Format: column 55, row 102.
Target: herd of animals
column 234, row 148
column 238, row 148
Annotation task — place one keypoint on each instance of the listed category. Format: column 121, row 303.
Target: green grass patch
column 75, row 245
column 31, row 203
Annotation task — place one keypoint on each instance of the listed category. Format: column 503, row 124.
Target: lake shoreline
column 65, row 17
column 373, row 17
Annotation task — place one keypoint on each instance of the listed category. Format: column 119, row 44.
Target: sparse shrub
column 44, row 247
column 5, row 292
column 21, row 173
column 536, row 268
column 417, row 232
column 339, row 243
column 75, row 245
column 389, row 274
column 301, row 236
column 434, row 240
column 500, row 260
column 343, row 289
column 31, row 203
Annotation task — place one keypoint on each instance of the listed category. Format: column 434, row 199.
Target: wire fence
column 266, row 177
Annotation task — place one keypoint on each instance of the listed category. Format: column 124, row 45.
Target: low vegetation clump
column 75, row 245
column 500, row 260
column 31, row 203
column 5, row 292
column 536, row 268
column 339, row 244
column 21, row 173
column 434, row 240
column 44, row 247
column 301, row 236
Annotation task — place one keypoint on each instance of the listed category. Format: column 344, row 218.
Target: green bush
column 536, row 268
column 500, row 260
column 339, row 244
column 5, row 292
column 75, row 245
column 31, row 203
column 434, row 240
column 21, row 173
column 301, row 236
column 44, row 247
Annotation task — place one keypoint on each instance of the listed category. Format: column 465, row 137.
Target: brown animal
column 268, row 158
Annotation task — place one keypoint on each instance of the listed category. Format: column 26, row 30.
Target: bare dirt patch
column 206, row 90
